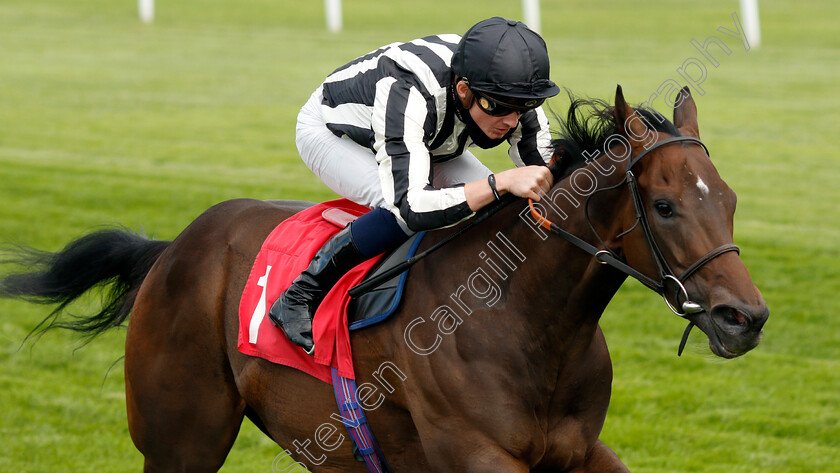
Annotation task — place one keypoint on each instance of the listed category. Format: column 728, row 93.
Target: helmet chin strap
column 473, row 130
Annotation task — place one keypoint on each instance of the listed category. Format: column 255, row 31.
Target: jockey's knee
column 377, row 232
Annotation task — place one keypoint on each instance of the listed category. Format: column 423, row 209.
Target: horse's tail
column 113, row 258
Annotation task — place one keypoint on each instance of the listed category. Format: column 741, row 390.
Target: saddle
column 381, row 302
column 284, row 254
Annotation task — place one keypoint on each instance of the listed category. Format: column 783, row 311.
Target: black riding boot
column 294, row 309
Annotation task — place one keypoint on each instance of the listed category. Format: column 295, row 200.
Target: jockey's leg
column 371, row 234
column 346, row 167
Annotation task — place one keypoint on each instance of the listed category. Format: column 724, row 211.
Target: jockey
column 390, row 130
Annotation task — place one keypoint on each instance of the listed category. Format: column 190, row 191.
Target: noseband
column 667, row 277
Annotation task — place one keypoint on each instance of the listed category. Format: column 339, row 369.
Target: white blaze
column 702, row 186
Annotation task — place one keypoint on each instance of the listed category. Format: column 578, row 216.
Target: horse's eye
column 664, row 209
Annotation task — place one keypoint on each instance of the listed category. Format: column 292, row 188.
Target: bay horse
column 491, row 364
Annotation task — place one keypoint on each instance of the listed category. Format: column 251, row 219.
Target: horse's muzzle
column 736, row 330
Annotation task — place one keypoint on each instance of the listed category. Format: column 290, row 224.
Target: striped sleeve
column 402, row 121
column 530, row 144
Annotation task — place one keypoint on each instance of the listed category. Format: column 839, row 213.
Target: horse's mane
column 588, row 124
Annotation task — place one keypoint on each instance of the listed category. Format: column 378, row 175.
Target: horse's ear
column 685, row 113
column 627, row 121
column 621, row 110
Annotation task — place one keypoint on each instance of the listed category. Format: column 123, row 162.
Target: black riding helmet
column 506, row 60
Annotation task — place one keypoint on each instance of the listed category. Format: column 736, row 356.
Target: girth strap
column 353, row 417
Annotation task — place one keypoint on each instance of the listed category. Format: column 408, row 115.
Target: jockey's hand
column 529, row 182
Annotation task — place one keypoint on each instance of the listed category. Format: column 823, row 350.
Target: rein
column 609, row 257
column 604, row 256
column 480, row 216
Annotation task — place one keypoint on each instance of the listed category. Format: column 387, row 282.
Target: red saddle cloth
column 284, row 255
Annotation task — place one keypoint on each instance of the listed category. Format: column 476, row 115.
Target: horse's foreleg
column 470, row 456
column 602, row 459
column 495, row 460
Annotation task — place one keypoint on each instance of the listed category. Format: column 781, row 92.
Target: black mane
column 588, row 124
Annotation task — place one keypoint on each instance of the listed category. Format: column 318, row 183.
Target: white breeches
column 351, row 170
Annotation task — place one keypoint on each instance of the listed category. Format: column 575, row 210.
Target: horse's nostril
column 734, row 317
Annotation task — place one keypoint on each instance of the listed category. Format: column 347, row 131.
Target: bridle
column 603, row 255
column 609, row 257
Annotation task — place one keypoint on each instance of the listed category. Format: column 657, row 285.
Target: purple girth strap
column 353, row 417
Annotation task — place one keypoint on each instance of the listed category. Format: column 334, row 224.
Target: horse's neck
column 565, row 290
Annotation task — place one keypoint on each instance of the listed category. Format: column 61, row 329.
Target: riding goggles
column 495, row 107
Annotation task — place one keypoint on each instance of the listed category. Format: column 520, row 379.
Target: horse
column 494, row 361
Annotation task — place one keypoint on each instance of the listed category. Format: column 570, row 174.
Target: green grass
column 105, row 120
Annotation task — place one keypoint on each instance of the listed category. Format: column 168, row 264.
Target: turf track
column 105, row 120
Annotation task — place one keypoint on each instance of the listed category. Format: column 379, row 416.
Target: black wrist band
column 491, row 179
